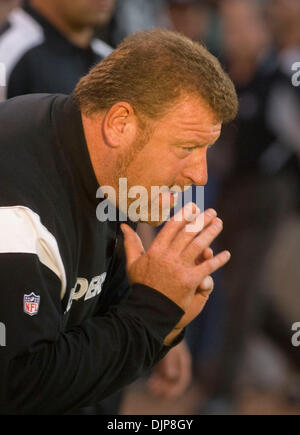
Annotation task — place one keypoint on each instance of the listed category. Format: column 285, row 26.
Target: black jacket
column 75, row 330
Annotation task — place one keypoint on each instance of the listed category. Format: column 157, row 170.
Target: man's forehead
column 196, row 126
column 194, row 112
column 195, row 139
column 204, row 127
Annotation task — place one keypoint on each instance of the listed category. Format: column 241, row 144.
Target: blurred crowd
column 254, row 169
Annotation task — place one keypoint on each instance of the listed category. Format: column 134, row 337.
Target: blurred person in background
column 283, row 17
column 6, row 7
column 261, row 176
column 196, row 19
column 189, row 17
column 49, row 44
column 131, row 16
column 284, row 117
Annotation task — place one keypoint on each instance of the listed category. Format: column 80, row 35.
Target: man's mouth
column 168, row 196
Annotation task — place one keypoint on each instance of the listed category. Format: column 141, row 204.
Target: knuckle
column 158, row 250
column 172, row 223
column 154, row 250
column 198, row 242
column 200, row 245
column 209, row 266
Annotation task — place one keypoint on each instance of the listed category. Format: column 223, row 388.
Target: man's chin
column 154, row 215
column 156, row 221
column 153, row 223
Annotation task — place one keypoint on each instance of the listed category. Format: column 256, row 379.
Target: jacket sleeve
column 48, row 370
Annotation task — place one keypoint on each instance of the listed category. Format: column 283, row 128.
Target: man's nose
column 196, row 170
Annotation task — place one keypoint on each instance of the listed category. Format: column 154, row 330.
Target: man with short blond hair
column 87, row 310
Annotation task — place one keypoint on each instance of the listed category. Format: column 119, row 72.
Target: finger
column 202, row 241
column 176, row 223
column 206, row 286
column 210, row 266
column 132, row 244
column 205, row 255
column 184, row 238
column 196, row 306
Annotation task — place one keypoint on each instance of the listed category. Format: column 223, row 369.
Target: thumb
column 132, row 244
column 206, row 286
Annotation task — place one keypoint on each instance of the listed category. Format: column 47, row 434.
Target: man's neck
column 80, row 37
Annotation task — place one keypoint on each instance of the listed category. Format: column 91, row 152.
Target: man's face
column 86, row 12
column 175, row 154
column 283, row 13
column 191, row 19
column 245, row 32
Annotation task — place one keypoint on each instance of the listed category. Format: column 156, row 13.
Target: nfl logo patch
column 31, row 304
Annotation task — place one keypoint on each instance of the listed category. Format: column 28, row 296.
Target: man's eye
column 189, row 149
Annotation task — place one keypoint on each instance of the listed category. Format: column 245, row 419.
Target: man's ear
column 119, row 125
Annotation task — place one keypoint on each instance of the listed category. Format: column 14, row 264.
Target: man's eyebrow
column 192, row 143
